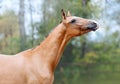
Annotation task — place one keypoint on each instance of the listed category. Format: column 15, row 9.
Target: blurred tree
column 31, row 21
column 9, row 33
column 22, row 24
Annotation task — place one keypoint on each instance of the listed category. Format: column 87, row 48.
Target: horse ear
column 63, row 14
column 68, row 14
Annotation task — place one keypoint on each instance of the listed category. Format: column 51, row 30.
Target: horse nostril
column 92, row 26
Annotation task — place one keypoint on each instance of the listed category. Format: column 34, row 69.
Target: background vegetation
column 90, row 59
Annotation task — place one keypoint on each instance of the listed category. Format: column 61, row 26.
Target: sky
column 14, row 5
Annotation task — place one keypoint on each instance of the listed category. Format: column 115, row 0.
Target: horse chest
column 43, row 76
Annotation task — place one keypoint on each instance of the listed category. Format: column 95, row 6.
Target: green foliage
column 11, row 46
column 9, row 32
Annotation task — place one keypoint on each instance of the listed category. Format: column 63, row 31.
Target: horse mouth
column 94, row 29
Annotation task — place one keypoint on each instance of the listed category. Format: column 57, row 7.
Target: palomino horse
column 37, row 66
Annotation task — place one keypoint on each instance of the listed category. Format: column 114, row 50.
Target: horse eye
column 73, row 21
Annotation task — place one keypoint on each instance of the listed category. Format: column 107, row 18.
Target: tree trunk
column 84, row 3
column 83, row 49
column 31, row 22
column 83, row 42
column 22, row 25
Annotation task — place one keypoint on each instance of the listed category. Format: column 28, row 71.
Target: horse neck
column 51, row 48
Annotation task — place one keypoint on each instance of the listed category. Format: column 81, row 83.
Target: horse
column 37, row 65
